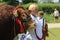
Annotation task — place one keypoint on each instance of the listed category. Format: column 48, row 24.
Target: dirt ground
column 53, row 25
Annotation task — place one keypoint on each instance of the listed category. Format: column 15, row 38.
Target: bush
column 48, row 8
column 2, row 2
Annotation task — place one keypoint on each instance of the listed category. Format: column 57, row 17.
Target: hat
column 40, row 13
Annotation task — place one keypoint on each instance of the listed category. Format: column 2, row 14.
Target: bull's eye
column 23, row 15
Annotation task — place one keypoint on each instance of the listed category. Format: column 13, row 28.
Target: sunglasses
column 41, row 14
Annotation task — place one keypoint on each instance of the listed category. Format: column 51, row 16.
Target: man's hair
column 40, row 13
column 33, row 7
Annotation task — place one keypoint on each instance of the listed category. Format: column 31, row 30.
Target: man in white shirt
column 41, row 17
column 43, row 23
column 56, row 14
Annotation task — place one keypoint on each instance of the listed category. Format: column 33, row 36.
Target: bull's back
column 6, row 22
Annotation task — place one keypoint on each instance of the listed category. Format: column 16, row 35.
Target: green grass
column 50, row 19
column 54, row 34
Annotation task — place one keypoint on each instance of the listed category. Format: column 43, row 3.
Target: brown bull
column 11, row 18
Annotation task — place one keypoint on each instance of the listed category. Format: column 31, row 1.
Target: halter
column 19, row 21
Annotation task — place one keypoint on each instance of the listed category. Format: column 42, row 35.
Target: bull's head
column 25, row 15
column 20, row 12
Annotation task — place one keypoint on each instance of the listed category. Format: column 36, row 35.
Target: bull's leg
column 15, row 38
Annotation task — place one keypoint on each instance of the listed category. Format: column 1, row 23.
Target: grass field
column 54, row 34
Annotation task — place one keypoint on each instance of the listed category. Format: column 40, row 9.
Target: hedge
column 48, row 8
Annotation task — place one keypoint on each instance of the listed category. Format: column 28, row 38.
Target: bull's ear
column 28, row 12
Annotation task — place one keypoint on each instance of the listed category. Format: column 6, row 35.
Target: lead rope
column 13, row 18
column 43, row 29
column 14, row 28
column 43, row 24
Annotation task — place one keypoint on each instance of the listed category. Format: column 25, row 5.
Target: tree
column 59, row 1
column 12, row 2
column 28, row 1
column 49, row 1
column 1, row 0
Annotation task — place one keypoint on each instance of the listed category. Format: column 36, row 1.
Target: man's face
column 41, row 16
column 35, row 11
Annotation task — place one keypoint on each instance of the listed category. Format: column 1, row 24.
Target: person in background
column 38, row 30
column 56, row 15
column 43, row 23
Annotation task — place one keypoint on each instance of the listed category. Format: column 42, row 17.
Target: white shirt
column 38, row 26
column 56, row 13
column 41, row 20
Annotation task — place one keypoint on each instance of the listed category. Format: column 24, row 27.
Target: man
column 43, row 23
column 56, row 15
column 38, row 31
